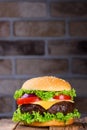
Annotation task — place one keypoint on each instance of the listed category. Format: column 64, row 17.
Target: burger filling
column 63, row 107
column 43, row 106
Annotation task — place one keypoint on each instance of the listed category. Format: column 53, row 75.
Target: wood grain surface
column 75, row 126
column 7, row 124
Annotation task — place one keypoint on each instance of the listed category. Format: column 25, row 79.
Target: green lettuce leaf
column 35, row 116
column 44, row 95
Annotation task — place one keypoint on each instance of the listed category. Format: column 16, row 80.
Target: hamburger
column 45, row 101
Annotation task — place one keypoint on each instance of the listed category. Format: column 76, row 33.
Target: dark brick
column 68, row 47
column 22, row 9
column 69, row 9
column 79, row 66
column 81, row 104
column 6, row 104
column 4, row 29
column 78, row 28
column 38, row 28
column 80, row 85
column 9, row 86
column 21, row 48
column 42, row 66
column 5, row 67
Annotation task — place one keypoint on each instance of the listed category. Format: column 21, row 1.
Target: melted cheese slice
column 48, row 104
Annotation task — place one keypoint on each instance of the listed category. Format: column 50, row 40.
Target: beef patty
column 32, row 107
column 64, row 107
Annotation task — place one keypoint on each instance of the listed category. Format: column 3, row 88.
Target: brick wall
column 42, row 37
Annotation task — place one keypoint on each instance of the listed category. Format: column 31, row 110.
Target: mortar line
column 15, row 19
column 27, row 76
column 42, row 57
column 43, row 1
column 23, row 1
column 44, row 38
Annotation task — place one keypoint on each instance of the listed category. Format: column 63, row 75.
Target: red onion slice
column 28, row 95
column 25, row 95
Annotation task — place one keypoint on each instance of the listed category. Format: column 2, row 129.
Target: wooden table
column 7, row 124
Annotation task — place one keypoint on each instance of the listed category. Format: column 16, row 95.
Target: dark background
column 42, row 37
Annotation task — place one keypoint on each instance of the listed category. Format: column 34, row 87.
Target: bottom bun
column 51, row 123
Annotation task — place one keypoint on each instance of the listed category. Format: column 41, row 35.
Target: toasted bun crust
column 51, row 123
column 47, row 83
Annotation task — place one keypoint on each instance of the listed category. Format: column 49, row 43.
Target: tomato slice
column 27, row 100
column 62, row 97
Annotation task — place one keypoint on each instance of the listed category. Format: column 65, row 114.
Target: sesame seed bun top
column 46, row 83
